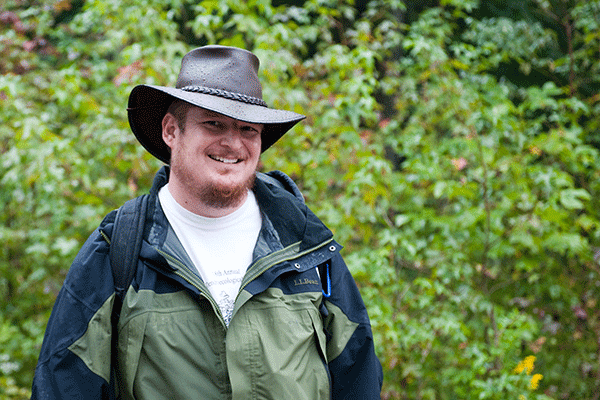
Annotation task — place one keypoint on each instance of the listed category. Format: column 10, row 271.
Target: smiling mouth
column 226, row 160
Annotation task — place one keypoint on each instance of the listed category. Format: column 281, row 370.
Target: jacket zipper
column 194, row 281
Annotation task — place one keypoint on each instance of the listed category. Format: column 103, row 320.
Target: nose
column 232, row 138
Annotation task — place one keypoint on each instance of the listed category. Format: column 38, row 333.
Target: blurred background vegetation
column 452, row 146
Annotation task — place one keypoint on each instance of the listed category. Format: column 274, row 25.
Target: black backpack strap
column 126, row 241
column 125, row 244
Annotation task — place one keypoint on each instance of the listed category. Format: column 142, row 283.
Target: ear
column 170, row 129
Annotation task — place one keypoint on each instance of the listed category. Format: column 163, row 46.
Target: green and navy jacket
column 294, row 333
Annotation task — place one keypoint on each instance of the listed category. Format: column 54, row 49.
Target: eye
column 250, row 130
column 213, row 124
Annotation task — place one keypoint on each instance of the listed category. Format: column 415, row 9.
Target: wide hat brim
column 148, row 105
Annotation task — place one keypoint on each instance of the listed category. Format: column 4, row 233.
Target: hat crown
column 220, row 68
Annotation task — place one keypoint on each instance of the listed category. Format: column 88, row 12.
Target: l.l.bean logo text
column 305, row 281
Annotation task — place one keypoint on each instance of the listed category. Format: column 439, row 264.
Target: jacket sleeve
column 75, row 358
column 355, row 370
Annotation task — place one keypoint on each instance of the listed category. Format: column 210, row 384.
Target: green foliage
column 453, row 150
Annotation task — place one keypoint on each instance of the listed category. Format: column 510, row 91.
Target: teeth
column 225, row 160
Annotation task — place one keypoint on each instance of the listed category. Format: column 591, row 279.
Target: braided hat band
column 224, row 93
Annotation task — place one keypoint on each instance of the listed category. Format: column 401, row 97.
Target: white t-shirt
column 220, row 248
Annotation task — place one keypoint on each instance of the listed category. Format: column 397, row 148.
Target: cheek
column 188, row 154
column 254, row 147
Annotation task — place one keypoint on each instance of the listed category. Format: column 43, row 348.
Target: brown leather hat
column 218, row 78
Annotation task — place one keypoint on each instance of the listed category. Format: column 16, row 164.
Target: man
column 240, row 291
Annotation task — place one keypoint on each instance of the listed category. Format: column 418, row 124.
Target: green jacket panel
column 276, row 346
column 160, row 336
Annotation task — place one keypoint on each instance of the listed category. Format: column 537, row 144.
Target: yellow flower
column 525, row 365
column 535, row 381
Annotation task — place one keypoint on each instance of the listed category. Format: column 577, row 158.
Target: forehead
column 209, row 113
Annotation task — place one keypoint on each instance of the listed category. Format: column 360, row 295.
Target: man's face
column 214, row 160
